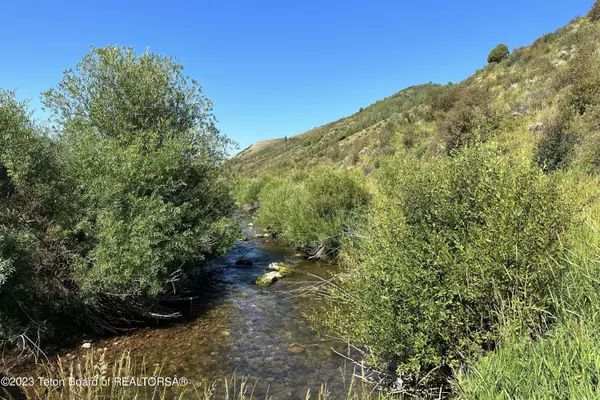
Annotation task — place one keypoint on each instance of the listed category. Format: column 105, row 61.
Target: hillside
column 516, row 95
column 343, row 141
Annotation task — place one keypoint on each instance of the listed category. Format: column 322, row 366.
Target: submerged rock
column 244, row 262
column 268, row 278
column 297, row 349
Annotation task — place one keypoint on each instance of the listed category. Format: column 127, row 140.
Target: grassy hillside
column 517, row 96
column 343, row 142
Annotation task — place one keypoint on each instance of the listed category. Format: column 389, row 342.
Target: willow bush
column 124, row 198
column 317, row 212
column 449, row 243
column 36, row 204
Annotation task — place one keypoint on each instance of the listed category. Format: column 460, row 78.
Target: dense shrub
column 498, row 54
column 442, row 98
column 315, row 214
column 247, row 190
column 35, row 207
column 555, row 148
column 118, row 203
column 565, row 362
column 149, row 210
column 471, row 120
column 447, row 243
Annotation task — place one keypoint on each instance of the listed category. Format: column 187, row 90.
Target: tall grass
column 95, row 365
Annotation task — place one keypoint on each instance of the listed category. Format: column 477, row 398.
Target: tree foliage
column 447, row 244
column 316, row 213
column 130, row 193
column 498, row 54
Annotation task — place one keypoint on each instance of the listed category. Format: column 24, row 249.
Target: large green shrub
column 316, row 213
column 447, row 243
column 35, row 207
column 471, row 120
column 148, row 210
column 564, row 362
column 498, row 54
column 139, row 141
column 108, row 212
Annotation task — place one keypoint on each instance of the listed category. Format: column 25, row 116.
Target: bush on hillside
column 471, row 120
column 448, row 242
column 586, row 153
column 594, row 14
column 554, row 150
column 442, row 98
column 498, row 54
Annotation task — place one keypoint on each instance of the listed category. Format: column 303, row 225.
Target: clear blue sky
column 277, row 68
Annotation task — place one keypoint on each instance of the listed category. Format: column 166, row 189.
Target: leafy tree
column 139, row 141
column 120, row 94
column 499, row 53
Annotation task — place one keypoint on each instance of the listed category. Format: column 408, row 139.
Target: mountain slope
column 510, row 102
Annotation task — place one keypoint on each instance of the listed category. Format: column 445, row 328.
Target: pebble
column 297, row 349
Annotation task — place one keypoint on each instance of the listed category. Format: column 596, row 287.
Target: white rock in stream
column 268, row 278
column 280, row 267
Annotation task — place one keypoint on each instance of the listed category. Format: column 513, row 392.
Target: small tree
column 594, row 13
column 498, row 54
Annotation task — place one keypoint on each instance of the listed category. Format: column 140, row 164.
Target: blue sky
column 277, row 68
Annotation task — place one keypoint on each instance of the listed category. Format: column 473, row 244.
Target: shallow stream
column 247, row 330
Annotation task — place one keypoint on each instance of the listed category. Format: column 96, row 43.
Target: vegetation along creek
column 440, row 243
column 242, row 329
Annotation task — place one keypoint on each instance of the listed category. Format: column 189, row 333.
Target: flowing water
column 246, row 329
